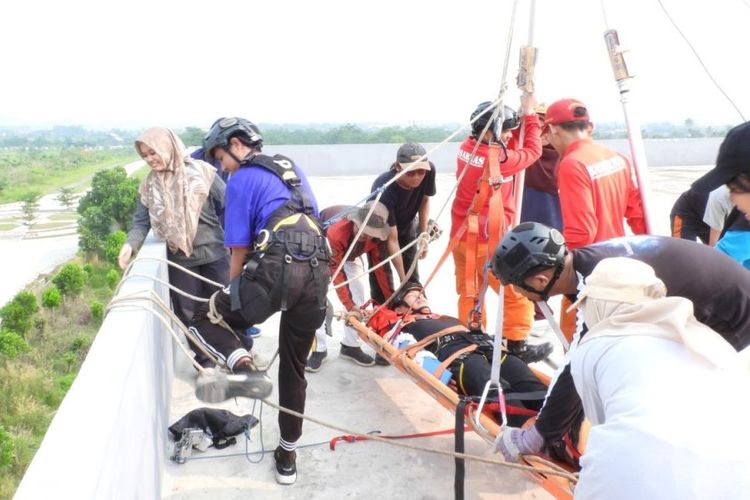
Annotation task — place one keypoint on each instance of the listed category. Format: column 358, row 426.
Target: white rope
column 135, row 300
column 572, row 477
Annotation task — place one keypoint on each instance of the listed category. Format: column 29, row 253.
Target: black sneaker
column 286, row 467
column 315, row 360
column 380, row 360
column 529, row 353
column 357, row 355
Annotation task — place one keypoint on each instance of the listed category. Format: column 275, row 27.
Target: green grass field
column 46, row 171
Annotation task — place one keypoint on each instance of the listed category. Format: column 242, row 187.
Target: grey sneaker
column 315, row 360
column 215, row 386
column 285, row 465
column 357, row 355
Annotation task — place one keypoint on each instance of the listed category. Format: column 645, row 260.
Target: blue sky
column 111, row 63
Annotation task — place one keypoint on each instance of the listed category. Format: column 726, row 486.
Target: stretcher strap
column 458, row 480
column 412, row 349
column 447, row 362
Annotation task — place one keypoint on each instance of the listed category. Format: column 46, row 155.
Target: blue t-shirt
column 736, row 244
column 253, row 195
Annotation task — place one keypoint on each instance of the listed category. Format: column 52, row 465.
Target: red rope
column 350, row 438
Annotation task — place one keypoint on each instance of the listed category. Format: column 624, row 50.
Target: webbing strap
column 497, row 211
column 418, row 346
column 470, row 279
column 447, row 362
column 458, row 480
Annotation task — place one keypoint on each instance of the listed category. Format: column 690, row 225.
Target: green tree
column 17, row 313
column 97, row 311
column 108, row 206
column 193, row 136
column 12, row 344
column 66, row 197
column 51, row 297
column 112, row 246
column 70, row 279
column 30, row 206
column 113, row 278
column 7, row 448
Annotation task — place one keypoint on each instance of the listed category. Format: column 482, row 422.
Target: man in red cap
column 597, row 190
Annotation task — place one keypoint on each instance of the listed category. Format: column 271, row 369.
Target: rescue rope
column 700, row 61
column 135, row 301
column 570, row 476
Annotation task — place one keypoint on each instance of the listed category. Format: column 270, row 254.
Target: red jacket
column 597, row 192
column 517, row 161
column 340, row 236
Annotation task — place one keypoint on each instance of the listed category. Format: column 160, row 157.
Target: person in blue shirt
column 733, row 170
column 279, row 262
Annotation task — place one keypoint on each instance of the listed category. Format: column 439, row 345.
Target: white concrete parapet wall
column 109, row 436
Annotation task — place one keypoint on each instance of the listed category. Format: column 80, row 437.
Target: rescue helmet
column 400, row 295
column 226, row 128
column 510, row 121
column 527, row 246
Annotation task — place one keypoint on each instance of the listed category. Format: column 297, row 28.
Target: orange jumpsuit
column 518, row 311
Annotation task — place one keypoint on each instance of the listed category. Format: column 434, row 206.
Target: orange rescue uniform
column 518, row 311
column 597, row 193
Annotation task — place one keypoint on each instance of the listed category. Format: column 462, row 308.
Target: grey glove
column 514, row 442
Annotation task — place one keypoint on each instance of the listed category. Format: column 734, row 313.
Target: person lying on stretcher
column 410, row 313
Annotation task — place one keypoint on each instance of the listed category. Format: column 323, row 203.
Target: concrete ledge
column 108, row 438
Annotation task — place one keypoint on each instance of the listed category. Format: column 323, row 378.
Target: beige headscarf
column 624, row 297
column 174, row 196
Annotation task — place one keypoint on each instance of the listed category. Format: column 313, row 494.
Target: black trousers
column 185, row 307
column 473, row 372
column 410, row 255
column 261, row 296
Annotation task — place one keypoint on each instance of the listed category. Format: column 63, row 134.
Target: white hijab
column 624, row 297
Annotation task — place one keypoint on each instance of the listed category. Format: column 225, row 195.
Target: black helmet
column 510, row 122
column 226, row 128
column 526, row 246
column 398, row 298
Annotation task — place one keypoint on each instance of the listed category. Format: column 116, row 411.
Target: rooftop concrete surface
column 365, row 400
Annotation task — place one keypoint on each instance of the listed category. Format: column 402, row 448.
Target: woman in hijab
column 177, row 200
column 645, row 371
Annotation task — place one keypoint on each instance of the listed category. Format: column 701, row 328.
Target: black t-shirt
column 718, row 286
column 403, row 204
column 424, row 327
column 690, row 206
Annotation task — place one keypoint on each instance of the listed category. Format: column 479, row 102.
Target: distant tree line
column 349, row 133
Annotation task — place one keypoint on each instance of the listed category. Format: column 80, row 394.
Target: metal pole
column 635, row 140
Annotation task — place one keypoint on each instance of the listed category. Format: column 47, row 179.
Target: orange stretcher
column 488, row 427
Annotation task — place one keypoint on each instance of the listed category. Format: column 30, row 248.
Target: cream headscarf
column 624, row 297
column 174, row 196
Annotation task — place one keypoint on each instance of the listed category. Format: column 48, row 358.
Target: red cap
column 566, row 110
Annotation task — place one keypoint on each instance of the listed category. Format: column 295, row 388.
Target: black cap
column 410, row 152
column 733, row 160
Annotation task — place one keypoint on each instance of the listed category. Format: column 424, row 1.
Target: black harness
column 293, row 231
